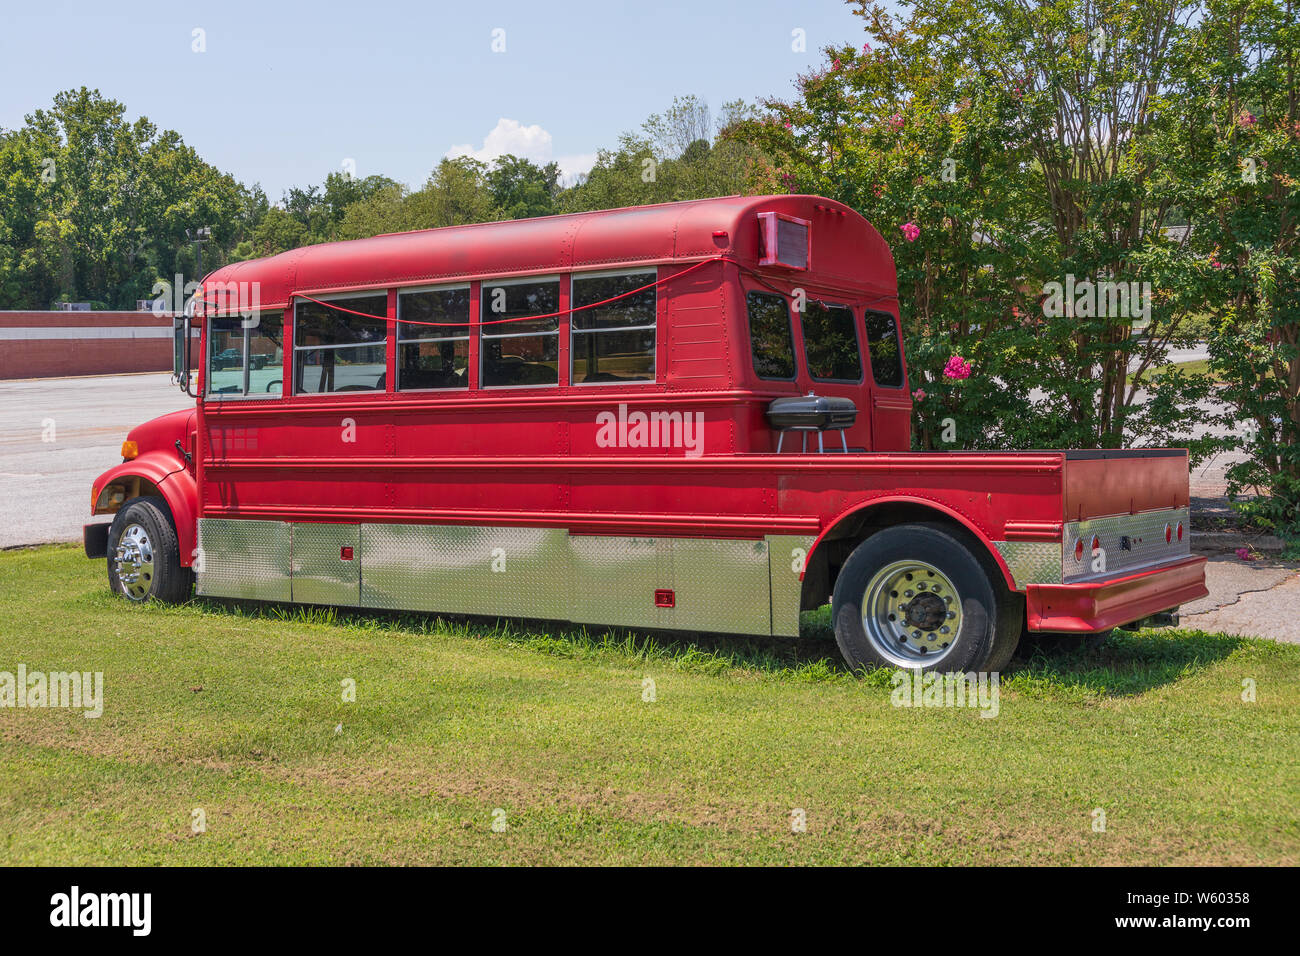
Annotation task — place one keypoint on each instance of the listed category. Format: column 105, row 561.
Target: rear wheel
column 143, row 554
column 915, row 596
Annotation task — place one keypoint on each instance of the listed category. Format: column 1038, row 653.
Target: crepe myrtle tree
column 1018, row 158
column 1244, row 208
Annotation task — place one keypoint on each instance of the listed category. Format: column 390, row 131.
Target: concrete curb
column 1230, row 540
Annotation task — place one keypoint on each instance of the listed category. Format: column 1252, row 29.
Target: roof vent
column 784, row 241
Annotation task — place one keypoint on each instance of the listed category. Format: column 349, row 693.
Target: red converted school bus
column 687, row 416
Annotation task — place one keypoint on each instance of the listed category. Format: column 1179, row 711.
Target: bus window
column 225, row 357
column 830, row 343
column 771, row 341
column 246, row 360
column 434, row 355
column 613, row 342
column 882, row 345
column 336, row 351
column 520, row 352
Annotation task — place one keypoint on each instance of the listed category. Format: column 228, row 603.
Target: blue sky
column 285, row 94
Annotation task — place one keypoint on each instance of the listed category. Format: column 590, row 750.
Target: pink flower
column 918, row 395
column 896, row 121
column 878, row 190
column 957, row 368
column 1245, row 555
column 1247, row 118
column 835, row 64
column 1215, row 263
column 866, row 48
column 911, row 231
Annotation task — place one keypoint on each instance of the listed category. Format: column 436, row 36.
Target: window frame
column 467, row 338
column 245, row 395
column 484, row 284
column 898, row 342
column 857, row 336
column 749, row 335
column 652, row 271
column 333, row 296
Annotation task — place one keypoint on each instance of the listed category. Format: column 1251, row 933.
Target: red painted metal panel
column 1100, row 605
column 1115, row 486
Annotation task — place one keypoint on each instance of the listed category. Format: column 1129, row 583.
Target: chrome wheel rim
column 911, row 613
column 133, row 562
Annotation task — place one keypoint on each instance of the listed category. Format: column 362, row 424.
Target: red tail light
column 1169, row 533
column 1180, row 531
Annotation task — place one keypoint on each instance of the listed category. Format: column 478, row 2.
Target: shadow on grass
column 1126, row 664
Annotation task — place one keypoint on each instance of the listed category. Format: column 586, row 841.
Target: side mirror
column 180, row 341
column 181, row 352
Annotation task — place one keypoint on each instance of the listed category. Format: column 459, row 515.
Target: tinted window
column 830, row 341
column 225, row 357
column 335, row 349
column 771, row 342
column 614, row 342
column 520, row 352
column 246, row 361
column 433, row 338
column 882, row 345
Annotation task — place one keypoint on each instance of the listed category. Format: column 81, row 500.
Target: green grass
column 237, row 710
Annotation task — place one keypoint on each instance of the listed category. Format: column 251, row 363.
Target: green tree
column 1002, row 147
column 521, row 189
column 1242, row 193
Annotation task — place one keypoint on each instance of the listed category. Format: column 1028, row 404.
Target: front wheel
column 143, row 554
column 915, row 596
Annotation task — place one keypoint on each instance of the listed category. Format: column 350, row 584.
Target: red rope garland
column 520, row 318
column 549, row 315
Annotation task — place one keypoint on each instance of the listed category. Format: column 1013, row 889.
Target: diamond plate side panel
column 244, row 559
column 1031, row 562
column 320, row 575
column 403, row 568
column 786, row 557
column 615, row 580
column 722, row 585
column 521, row 572
column 1147, row 548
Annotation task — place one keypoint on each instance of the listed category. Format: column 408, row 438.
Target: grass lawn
column 239, row 711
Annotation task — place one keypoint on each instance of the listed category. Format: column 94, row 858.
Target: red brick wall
column 47, row 344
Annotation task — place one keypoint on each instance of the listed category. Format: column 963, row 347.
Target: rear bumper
column 95, row 539
column 1100, row 605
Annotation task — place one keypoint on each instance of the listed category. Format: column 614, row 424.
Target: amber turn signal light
column 129, row 450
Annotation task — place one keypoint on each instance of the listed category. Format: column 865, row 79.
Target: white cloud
column 530, row 142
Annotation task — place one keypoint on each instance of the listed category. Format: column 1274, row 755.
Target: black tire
column 150, row 562
column 969, row 596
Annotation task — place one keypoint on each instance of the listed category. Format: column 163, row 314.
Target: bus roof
column 846, row 250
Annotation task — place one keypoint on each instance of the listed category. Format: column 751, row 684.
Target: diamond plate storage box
column 326, row 564
column 244, row 559
column 466, row 570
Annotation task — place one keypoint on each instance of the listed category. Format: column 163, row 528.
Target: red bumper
column 1101, row 605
